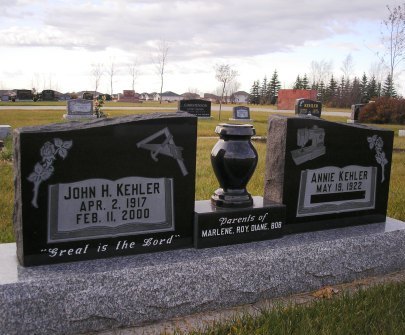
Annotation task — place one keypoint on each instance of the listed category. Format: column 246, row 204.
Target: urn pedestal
column 232, row 215
column 234, row 160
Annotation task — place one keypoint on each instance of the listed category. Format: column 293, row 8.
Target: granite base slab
column 79, row 117
column 134, row 290
column 241, row 120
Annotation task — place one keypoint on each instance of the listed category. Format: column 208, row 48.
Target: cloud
column 194, row 29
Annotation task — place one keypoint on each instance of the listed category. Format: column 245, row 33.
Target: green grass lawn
column 378, row 310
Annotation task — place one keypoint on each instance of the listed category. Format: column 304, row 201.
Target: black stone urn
column 234, row 160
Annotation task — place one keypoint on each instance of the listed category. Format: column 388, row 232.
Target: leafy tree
column 388, row 90
column 364, row 89
column 264, row 91
column 305, row 83
column 347, row 99
column 274, row 86
column 298, row 83
column 314, row 86
column 331, row 90
column 321, row 91
column 356, row 91
column 372, row 88
column 254, row 93
column 341, row 93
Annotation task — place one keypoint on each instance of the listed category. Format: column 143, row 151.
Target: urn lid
column 235, row 129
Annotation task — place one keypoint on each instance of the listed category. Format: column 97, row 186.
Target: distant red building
column 286, row 98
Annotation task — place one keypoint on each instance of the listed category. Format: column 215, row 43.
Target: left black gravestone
column 104, row 188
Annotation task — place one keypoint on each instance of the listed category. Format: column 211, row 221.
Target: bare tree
column 393, row 37
column 347, row 66
column 97, row 71
column 224, row 74
column 35, row 81
column 160, row 60
column 233, row 87
column 321, row 71
column 133, row 72
column 378, row 70
column 194, row 90
column 111, row 71
column 50, row 81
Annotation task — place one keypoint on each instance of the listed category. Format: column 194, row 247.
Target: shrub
column 384, row 110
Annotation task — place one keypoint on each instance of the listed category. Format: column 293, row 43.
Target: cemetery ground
column 364, row 309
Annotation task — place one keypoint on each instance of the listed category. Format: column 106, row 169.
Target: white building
column 240, row 97
column 168, row 96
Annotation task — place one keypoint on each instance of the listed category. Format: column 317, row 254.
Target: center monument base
column 214, row 226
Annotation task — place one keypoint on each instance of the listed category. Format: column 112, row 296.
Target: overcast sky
column 53, row 44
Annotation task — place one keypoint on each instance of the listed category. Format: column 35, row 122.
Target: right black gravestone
column 328, row 174
column 308, row 107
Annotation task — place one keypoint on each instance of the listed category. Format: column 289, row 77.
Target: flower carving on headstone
column 44, row 169
column 376, row 142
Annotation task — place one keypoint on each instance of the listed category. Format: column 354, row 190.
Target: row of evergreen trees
column 266, row 93
column 347, row 92
column 342, row 93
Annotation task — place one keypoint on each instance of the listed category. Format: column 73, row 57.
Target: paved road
column 214, row 108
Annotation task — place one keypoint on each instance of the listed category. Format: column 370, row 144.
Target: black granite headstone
column 198, row 107
column 48, row 95
column 241, row 113
column 328, row 174
column 87, row 96
column 24, row 95
column 99, row 189
column 308, row 107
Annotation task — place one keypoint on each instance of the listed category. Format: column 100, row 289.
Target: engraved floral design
column 43, row 170
column 376, row 142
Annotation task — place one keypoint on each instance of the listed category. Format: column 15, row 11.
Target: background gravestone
column 5, row 98
column 79, row 108
column 24, row 95
column 48, row 95
column 128, row 96
column 355, row 111
column 104, row 188
column 241, row 113
column 327, row 174
column 308, row 107
column 87, row 96
column 198, row 107
column 5, row 130
column 107, row 97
